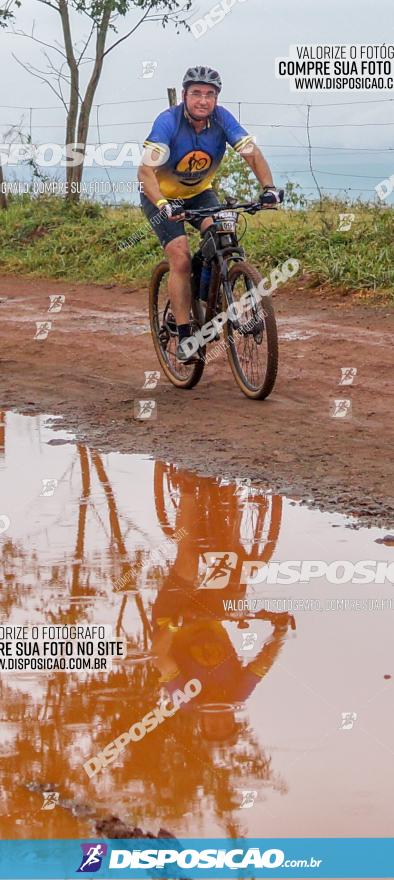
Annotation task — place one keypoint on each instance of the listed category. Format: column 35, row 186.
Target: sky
column 243, row 46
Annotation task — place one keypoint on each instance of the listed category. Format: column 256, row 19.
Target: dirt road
column 90, row 369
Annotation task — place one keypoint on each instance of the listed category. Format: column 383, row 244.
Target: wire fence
column 312, row 150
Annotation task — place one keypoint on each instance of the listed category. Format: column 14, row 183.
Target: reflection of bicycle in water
column 251, row 522
column 210, row 515
column 199, row 638
column 193, row 632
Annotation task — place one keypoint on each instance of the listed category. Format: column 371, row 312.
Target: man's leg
column 173, row 239
column 205, row 223
column 179, row 289
column 179, row 286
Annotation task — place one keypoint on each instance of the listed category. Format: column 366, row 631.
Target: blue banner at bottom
column 197, row 858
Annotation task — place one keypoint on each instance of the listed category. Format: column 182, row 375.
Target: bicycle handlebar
column 247, row 208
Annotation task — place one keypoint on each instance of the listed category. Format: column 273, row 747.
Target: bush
column 47, row 237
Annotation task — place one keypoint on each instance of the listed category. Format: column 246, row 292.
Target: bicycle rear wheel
column 252, row 349
column 165, row 334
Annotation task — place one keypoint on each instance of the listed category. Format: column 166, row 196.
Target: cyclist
column 190, row 141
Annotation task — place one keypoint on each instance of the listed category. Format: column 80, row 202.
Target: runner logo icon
column 92, row 857
column 218, row 570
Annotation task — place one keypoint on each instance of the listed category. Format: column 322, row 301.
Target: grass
column 46, row 237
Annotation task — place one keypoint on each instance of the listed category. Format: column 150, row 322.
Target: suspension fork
column 214, row 288
column 228, row 294
column 241, row 326
column 220, row 272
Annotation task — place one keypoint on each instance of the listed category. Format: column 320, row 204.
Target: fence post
column 172, row 100
column 309, row 107
column 3, row 196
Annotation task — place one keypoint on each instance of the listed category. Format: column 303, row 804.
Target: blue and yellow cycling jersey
column 194, row 157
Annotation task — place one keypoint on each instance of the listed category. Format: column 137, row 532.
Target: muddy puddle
column 292, row 731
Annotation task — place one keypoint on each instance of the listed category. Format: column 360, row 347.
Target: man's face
column 200, row 100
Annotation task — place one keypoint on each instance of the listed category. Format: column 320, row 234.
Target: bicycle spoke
column 168, row 334
column 250, row 341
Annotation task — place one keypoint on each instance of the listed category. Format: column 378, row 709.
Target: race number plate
column 226, row 221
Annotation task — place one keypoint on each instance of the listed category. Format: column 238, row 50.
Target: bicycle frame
column 231, row 311
column 220, row 267
column 218, row 247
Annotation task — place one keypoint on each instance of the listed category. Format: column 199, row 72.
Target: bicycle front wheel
column 252, row 344
column 165, row 333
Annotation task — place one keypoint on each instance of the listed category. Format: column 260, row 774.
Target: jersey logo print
column 192, row 168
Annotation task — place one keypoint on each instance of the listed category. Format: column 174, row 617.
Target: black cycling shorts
column 165, row 229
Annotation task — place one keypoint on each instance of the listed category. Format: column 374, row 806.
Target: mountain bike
column 253, row 520
column 250, row 336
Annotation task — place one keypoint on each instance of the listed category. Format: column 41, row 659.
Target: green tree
column 293, row 195
column 6, row 17
column 65, row 73
column 235, row 178
column 7, row 14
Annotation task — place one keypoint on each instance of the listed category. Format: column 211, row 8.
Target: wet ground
column 90, row 369
column 292, row 734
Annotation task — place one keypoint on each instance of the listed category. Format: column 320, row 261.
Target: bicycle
column 250, row 338
column 255, row 521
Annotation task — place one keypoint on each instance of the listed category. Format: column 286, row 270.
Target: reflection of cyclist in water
column 190, row 638
column 214, row 520
column 203, row 649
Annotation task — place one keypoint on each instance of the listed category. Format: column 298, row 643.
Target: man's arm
column 151, row 189
column 156, row 152
column 162, row 642
column 266, row 657
column 147, row 176
column 255, row 159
